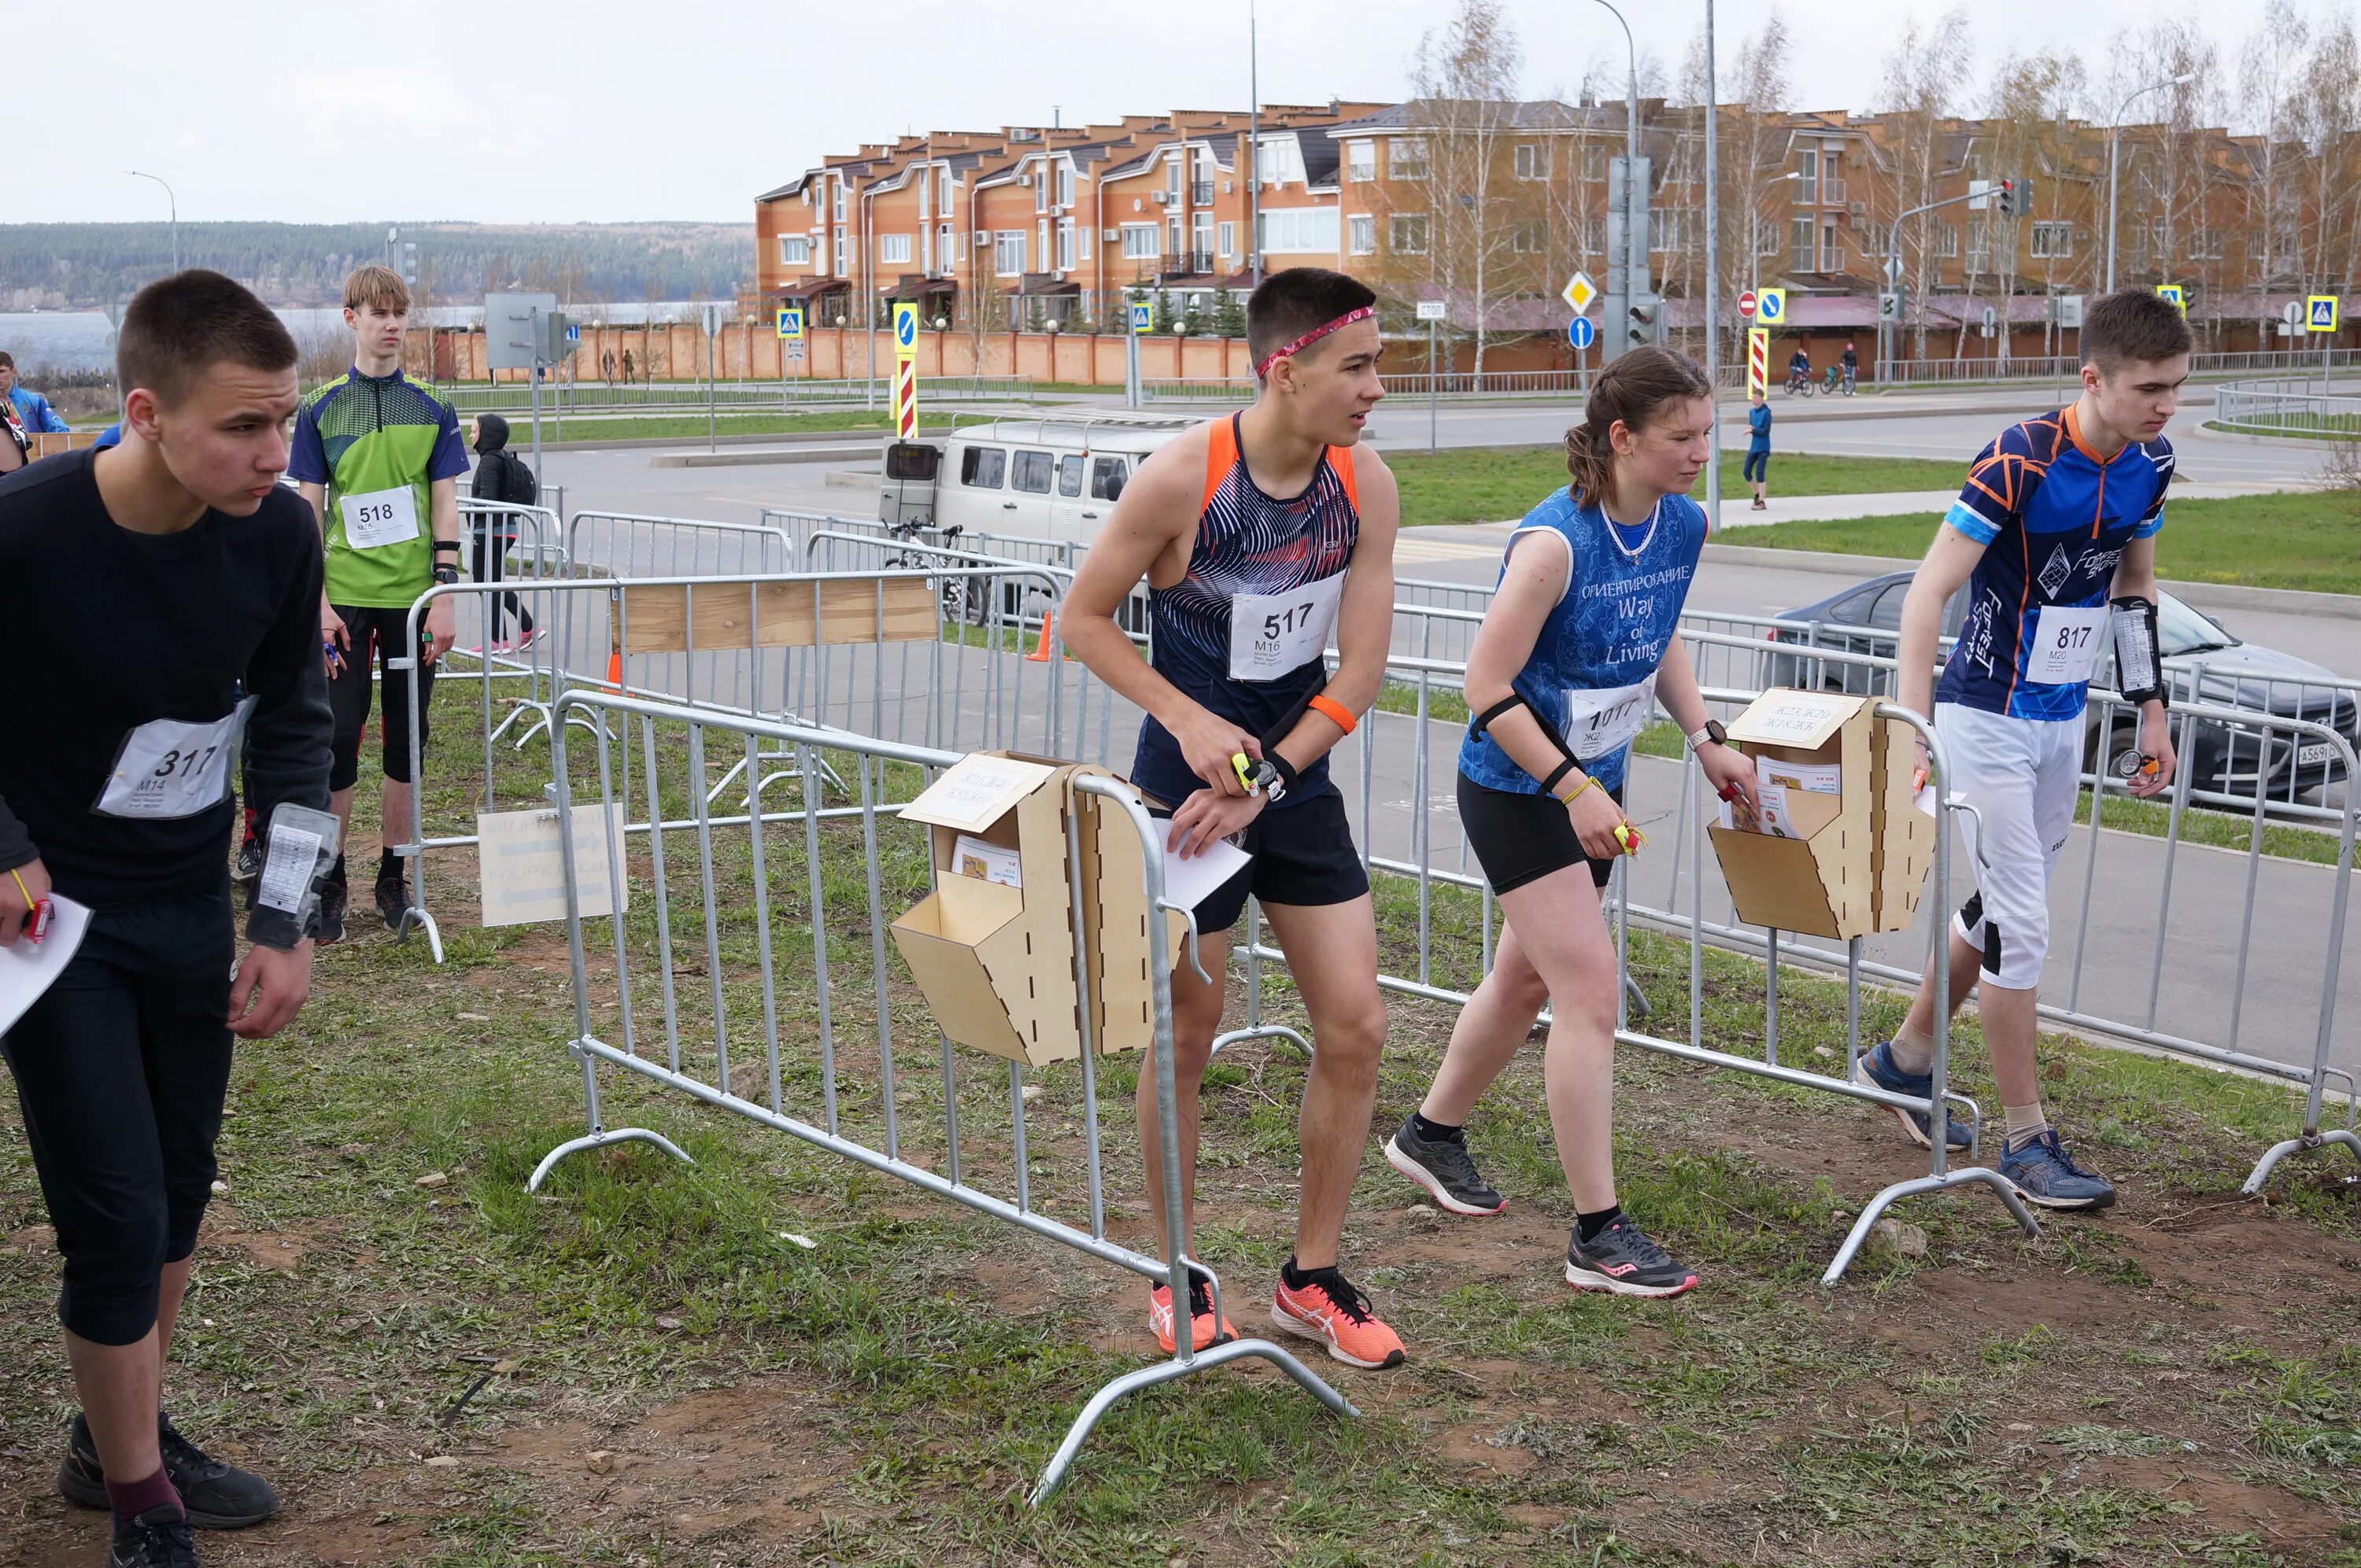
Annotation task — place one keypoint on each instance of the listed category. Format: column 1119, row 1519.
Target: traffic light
column 2015, row 197
column 1889, row 305
column 1647, row 323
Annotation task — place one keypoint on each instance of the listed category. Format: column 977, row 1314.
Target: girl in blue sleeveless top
column 1576, row 653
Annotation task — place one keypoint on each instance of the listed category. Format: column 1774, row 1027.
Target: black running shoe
column 393, row 900
column 249, row 857
column 333, row 897
column 1444, row 1168
column 218, row 1495
column 157, row 1539
column 1622, row 1259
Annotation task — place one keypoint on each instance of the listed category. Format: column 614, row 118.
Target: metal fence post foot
column 416, row 917
column 1054, row 1474
column 2304, row 1145
column 1261, row 1031
column 600, row 1140
column 1971, row 1175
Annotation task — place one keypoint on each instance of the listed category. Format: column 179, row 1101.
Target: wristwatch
column 1712, row 731
column 1266, row 778
column 446, row 574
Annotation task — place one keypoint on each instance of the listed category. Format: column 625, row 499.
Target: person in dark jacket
column 500, row 475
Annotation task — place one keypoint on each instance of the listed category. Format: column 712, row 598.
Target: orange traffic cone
column 1040, row 654
column 615, row 671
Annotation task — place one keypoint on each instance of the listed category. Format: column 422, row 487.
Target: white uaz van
column 1052, row 478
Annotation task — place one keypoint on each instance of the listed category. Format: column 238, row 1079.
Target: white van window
column 1106, row 478
column 1032, row 474
column 981, row 467
column 1069, row 474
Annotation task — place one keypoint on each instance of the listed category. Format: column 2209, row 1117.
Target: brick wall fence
column 751, row 350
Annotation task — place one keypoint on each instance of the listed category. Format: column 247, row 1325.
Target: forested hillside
column 62, row 266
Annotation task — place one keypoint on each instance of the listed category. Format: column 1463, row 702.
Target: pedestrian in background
column 500, row 475
column 627, row 367
column 1758, row 448
column 33, row 411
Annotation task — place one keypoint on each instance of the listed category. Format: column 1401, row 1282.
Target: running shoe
column 1444, row 1168
column 1877, row 1069
column 218, row 1495
column 2043, row 1174
column 333, row 898
column 1622, row 1259
column 1327, row 1308
column 393, row 900
column 157, row 1539
column 249, row 857
column 1202, row 1329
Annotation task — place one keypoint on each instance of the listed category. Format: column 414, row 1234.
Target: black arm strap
column 1514, row 699
column 1483, row 720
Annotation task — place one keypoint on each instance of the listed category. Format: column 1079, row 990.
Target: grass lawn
column 1488, row 484
column 774, row 1358
column 2297, row 540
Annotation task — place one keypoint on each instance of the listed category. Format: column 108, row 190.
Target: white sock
column 1913, row 1050
column 2026, row 1123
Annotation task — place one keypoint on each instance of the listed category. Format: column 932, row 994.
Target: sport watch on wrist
column 446, row 574
column 1266, row 779
column 1712, row 731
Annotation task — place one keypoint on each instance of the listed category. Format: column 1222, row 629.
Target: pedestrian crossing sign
column 2174, row 295
column 2320, row 312
column 791, row 322
column 1143, row 316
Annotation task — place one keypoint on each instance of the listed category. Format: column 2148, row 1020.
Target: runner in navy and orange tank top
column 1266, row 539
column 1270, row 572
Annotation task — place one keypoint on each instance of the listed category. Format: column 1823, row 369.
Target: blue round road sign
column 1581, row 332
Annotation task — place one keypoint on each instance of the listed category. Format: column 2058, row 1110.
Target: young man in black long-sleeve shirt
column 116, row 741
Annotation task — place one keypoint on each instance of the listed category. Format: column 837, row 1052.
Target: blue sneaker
column 1876, row 1070
column 2043, row 1174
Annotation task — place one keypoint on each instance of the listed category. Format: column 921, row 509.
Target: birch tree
column 1464, row 81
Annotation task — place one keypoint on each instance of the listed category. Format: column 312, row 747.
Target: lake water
column 83, row 340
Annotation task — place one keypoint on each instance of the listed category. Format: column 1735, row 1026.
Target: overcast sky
column 596, row 110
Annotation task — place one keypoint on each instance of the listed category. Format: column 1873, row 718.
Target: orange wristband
column 1334, row 712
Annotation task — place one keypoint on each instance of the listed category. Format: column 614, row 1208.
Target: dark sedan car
column 2206, row 663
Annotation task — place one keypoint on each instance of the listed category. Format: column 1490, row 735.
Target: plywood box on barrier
column 684, row 616
column 992, row 947
column 1839, row 849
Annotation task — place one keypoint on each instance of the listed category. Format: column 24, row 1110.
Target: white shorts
column 2022, row 777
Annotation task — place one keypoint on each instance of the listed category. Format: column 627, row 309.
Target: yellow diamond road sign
column 1580, row 292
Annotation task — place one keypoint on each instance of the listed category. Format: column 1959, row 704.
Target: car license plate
column 2313, row 755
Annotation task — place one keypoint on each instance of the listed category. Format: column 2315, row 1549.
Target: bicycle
column 1834, row 381
column 1800, row 383
column 1849, row 375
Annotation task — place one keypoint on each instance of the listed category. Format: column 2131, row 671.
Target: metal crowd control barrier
column 632, row 544
column 857, row 1116
column 730, row 645
column 1733, row 653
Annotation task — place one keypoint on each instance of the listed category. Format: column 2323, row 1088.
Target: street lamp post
column 2115, row 137
column 1635, row 245
column 171, row 205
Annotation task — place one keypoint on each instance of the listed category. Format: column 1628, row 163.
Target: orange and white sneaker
column 1203, row 1329
column 1327, row 1308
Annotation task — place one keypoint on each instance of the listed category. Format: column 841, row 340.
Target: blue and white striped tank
column 1247, row 542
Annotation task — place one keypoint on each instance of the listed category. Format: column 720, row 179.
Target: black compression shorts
column 1303, row 854
column 376, row 635
column 1519, row 838
column 120, row 1069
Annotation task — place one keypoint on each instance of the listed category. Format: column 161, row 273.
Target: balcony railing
column 1201, row 192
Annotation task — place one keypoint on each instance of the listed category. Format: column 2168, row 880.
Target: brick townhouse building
column 1491, row 206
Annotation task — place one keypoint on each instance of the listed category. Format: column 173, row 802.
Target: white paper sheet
column 1812, row 778
column 1191, row 882
column 28, row 969
column 972, row 857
